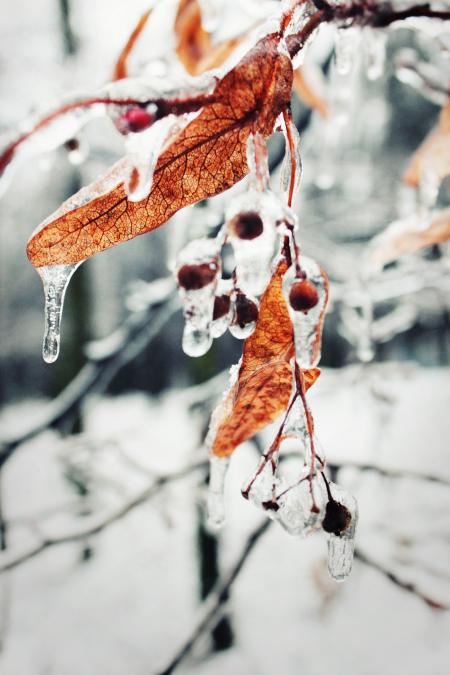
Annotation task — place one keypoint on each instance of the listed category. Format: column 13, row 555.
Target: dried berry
column 303, row 296
column 221, row 306
column 194, row 277
column 72, row 145
column 337, row 518
column 247, row 225
column 246, row 310
column 136, row 119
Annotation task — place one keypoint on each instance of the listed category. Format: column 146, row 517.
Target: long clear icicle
column 218, row 467
column 296, row 513
column 286, row 167
column 55, row 280
column 341, row 547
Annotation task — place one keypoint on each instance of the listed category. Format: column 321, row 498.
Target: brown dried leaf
column 307, row 92
column 121, row 67
column 433, row 154
column 194, row 47
column 205, row 158
column 264, row 383
column 407, row 237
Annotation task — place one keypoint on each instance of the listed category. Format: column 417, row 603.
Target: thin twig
column 217, row 599
column 145, row 495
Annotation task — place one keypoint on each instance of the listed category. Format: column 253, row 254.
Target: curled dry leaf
column 434, row 153
column 205, row 158
column 264, row 383
column 194, row 47
column 308, row 89
column 121, row 67
column 408, row 236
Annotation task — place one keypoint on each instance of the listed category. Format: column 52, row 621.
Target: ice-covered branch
column 217, row 599
column 105, row 358
column 82, row 533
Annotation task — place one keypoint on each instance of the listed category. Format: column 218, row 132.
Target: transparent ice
column 346, row 43
column 375, row 52
column 263, row 483
column 219, row 326
column 341, row 548
column 198, row 305
column 218, row 467
column 241, row 332
column 55, row 280
column 308, row 326
column 286, row 167
column 295, row 513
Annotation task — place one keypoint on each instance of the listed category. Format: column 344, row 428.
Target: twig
column 120, row 348
column 405, row 585
column 145, row 495
column 217, row 599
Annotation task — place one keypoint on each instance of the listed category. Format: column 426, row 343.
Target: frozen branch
column 217, row 599
column 104, row 362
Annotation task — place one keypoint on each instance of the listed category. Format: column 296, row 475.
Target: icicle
column 429, row 185
column 302, row 14
column 342, row 517
column 286, row 167
column 197, row 272
column 345, row 48
column 222, row 308
column 245, row 315
column 262, row 484
column 55, row 280
column 257, row 161
column 143, row 150
column 218, row 467
column 296, row 513
column 307, row 299
column 375, row 46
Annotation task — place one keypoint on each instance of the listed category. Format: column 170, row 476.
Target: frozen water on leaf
column 346, row 44
column 210, row 11
column 55, row 280
column 295, row 513
column 308, row 326
column 218, row 467
column 262, row 482
column 257, row 161
column 286, row 167
column 375, row 52
column 143, row 150
column 253, row 255
column 341, row 548
column 198, row 303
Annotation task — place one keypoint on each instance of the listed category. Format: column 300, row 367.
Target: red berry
column 246, row 310
column 136, row 119
column 303, row 296
column 221, row 306
column 194, row 277
column 337, row 518
column 247, row 225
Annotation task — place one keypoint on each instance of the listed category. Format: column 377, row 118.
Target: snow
column 132, row 603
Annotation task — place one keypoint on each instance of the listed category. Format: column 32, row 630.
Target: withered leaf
column 205, row 158
column 121, row 67
column 264, row 383
column 409, row 236
column 194, row 46
column 433, row 154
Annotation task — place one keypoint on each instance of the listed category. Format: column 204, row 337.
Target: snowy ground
column 133, row 602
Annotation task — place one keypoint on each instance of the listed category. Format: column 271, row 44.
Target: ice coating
column 258, row 163
column 286, row 167
column 261, row 486
column 218, row 467
column 55, row 280
column 143, row 150
column 341, row 547
column 220, row 325
column 375, row 52
column 296, row 512
column 308, row 325
column 198, row 303
column 346, row 42
column 241, row 331
column 295, row 426
column 210, row 12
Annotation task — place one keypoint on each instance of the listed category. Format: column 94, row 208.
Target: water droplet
column 55, row 280
column 196, row 342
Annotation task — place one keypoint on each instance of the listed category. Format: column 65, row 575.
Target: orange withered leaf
column 264, row 382
column 433, row 154
column 194, row 47
column 408, row 236
column 121, row 67
column 205, row 158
